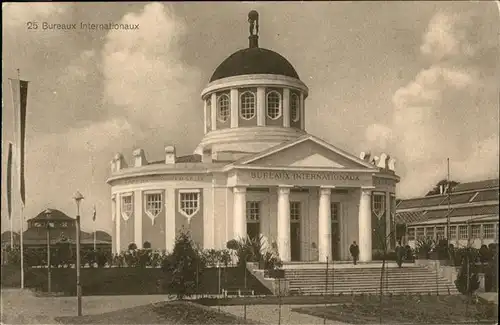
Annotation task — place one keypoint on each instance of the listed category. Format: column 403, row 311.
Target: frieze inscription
column 304, row 176
column 175, row 178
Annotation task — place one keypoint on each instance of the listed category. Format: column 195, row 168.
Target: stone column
column 261, row 106
column 286, row 107
column 284, row 223
column 239, row 212
column 302, row 112
column 324, row 225
column 235, row 103
column 205, row 108
column 365, row 226
column 138, row 218
column 118, row 222
column 213, row 111
column 113, row 218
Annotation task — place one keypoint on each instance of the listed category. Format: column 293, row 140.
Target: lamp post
column 78, row 198
column 49, row 275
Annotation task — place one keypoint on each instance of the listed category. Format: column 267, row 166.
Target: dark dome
column 254, row 60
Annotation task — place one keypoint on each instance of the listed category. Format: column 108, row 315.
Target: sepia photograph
column 250, row 162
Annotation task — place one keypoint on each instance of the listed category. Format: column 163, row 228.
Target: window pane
column 453, row 232
column 335, row 211
column 253, row 211
column 223, row 108
column 154, row 203
column 411, row 233
column 294, row 107
column 439, row 232
column 462, row 232
column 420, row 233
column 273, row 104
column 247, row 105
column 475, row 231
column 429, row 232
column 189, row 203
column 488, row 231
column 295, row 211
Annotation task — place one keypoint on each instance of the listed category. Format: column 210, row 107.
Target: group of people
column 400, row 253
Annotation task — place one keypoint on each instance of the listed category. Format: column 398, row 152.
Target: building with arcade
column 256, row 171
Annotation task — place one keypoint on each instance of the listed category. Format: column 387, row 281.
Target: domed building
column 256, row 171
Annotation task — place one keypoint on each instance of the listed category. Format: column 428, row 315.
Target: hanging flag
column 94, row 214
column 9, row 181
column 19, row 90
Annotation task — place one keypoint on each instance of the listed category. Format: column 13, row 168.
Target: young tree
column 467, row 281
column 185, row 266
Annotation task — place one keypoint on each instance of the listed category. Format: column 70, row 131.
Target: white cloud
column 428, row 112
column 145, row 75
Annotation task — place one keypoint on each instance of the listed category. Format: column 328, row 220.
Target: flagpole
column 448, row 219
column 22, row 215
column 11, row 233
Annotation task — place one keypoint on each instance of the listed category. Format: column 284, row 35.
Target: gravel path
column 268, row 314
column 22, row 307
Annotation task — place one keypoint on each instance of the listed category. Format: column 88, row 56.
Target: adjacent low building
column 472, row 209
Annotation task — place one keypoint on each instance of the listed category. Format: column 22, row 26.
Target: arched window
column 223, row 108
column 295, row 107
column 247, row 105
column 273, row 105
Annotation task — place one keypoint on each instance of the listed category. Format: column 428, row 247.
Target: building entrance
column 335, row 211
column 295, row 216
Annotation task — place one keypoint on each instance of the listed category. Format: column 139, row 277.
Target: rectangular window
column 462, row 232
column 294, row 211
column 189, row 203
column 453, row 232
column 488, row 231
column 154, row 203
column 64, row 225
column 475, row 231
column 420, row 233
column 440, row 232
column 335, row 211
column 429, row 232
column 411, row 233
column 127, row 205
column 253, row 211
column 378, row 204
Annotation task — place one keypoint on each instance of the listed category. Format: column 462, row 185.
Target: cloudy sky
column 419, row 81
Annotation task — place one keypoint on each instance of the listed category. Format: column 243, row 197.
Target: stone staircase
column 365, row 279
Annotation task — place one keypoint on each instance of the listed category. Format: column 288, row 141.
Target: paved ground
column 269, row 314
column 22, row 307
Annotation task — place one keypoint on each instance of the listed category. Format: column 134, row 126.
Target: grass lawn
column 174, row 312
column 407, row 310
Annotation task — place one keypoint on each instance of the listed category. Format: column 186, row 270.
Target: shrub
column 213, row 257
column 484, row 254
column 424, row 247
column 467, row 281
column 185, row 265
column 442, row 249
column 146, row 245
column 132, row 247
column 232, row 244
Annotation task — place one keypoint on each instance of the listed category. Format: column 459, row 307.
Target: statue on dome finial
column 253, row 19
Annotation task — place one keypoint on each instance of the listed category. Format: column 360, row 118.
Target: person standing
column 354, row 250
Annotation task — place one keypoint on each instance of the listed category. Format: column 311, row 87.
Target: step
column 371, row 276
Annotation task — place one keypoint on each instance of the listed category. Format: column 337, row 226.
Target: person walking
column 354, row 250
column 400, row 254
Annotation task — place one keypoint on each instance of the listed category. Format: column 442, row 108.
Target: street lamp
column 49, row 275
column 78, row 198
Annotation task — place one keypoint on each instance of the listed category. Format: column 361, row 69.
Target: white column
column 213, row 111
column 324, row 225
column 205, row 107
column 302, row 112
column 239, row 212
column 286, row 107
column 138, row 218
column 169, row 218
column 113, row 217
column 118, row 222
column 261, row 106
column 365, row 227
column 284, row 223
column 234, row 108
